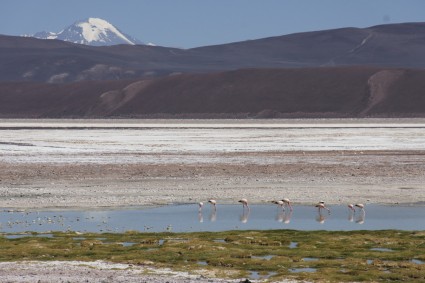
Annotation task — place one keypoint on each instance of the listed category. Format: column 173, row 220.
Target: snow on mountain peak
column 92, row 31
column 95, row 29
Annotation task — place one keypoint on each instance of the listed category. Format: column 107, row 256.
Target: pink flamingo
column 214, row 203
column 244, row 202
column 361, row 206
column 279, row 203
column 287, row 202
column 321, row 205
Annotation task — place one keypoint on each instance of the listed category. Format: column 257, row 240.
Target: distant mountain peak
column 91, row 31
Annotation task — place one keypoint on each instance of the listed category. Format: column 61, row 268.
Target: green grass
column 341, row 256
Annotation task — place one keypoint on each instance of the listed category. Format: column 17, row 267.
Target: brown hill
column 29, row 59
column 260, row 93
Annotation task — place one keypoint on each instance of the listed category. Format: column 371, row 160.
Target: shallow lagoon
column 187, row 218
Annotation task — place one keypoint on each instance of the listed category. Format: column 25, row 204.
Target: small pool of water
column 265, row 257
column 310, row 259
column 255, row 275
column 303, row 269
column 185, row 218
column 381, row 250
column 417, row 261
column 18, row 236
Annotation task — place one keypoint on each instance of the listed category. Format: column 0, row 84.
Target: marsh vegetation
column 385, row 255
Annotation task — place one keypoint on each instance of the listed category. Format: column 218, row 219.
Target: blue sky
column 192, row 23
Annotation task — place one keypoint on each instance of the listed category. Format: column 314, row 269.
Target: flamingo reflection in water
column 321, row 218
column 360, row 219
column 284, row 216
column 244, row 216
column 213, row 215
column 351, row 212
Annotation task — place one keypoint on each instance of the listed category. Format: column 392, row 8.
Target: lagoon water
column 187, row 218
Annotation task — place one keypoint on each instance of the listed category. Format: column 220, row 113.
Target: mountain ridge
column 395, row 45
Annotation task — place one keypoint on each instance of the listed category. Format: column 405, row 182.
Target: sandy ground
column 336, row 177
column 387, row 177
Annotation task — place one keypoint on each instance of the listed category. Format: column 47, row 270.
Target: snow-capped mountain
column 92, row 31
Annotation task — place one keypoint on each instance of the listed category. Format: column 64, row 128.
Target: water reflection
column 200, row 217
column 351, row 216
column 244, row 216
column 321, row 217
column 284, row 216
column 213, row 215
column 360, row 219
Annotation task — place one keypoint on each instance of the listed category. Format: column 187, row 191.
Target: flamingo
column 201, row 204
column 280, row 203
column 321, row 205
column 351, row 206
column 360, row 205
column 287, row 202
column 244, row 202
column 214, row 203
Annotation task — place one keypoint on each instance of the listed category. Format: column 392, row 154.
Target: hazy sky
column 192, row 23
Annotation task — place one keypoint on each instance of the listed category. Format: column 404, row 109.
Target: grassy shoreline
column 384, row 255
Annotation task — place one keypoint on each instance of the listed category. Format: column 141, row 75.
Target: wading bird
column 244, row 202
column 201, row 204
column 214, row 203
column 360, row 205
column 288, row 203
column 321, row 205
column 279, row 203
column 351, row 206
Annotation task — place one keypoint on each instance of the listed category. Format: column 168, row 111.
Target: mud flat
column 370, row 161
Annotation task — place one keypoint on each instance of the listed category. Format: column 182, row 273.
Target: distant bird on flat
column 321, row 205
column 244, row 202
column 360, row 205
column 287, row 202
column 279, row 203
column 201, row 204
column 214, row 203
